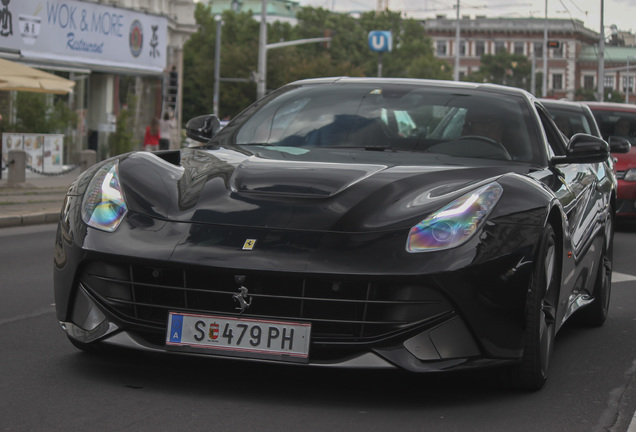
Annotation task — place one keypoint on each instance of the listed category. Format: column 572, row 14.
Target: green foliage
column 504, row 68
column 41, row 113
column 584, row 95
column 239, row 55
column 347, row 54
column 122, row 140
column 612, row 95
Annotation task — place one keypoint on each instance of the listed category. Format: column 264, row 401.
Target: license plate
column 239, row 337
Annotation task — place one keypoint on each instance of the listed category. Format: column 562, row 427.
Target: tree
column 513, row 70
column 122, row 140
column 41, row 113
column 584, row 95
column 347, row 54
column 612, row 95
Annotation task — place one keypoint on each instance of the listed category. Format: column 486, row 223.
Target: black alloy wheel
column 541, row 309
column 595, row 314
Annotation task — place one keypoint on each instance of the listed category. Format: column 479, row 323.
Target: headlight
column 455, row 223
column 630, row 175
column 104, row 206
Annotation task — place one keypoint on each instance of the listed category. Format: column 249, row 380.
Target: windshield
column 617, row 123
column 571, row 122
column 456, row 122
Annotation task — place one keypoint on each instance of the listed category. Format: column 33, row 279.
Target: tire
column 543, row 294
column 595, row 314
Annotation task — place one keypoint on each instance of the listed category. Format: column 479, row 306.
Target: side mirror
column 203, row 128
column 584, row 148
column 619, row 144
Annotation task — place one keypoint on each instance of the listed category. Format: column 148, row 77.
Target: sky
column 621, row 13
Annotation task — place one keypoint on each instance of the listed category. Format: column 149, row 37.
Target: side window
column 555, row 137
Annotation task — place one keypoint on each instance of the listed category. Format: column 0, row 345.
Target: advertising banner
column 44, row 152
column 84, row 33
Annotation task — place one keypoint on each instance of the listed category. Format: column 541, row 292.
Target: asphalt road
column 47, row 385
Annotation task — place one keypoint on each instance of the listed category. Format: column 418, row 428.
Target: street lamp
column 261, row 76
column 457, row 42
column 544, row 83
column 601, row 56
column 217, row 65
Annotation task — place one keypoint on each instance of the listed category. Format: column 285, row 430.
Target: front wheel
column 541, row 308
column 595, row 314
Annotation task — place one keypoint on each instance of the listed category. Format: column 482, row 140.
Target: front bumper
column 443, row 346
column 626, row 198
column 460, row 308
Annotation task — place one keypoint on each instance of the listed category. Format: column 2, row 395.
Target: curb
column 29, row 219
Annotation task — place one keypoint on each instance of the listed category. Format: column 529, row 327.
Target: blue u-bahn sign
column 380, row 41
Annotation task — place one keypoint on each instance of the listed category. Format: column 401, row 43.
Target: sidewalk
column 37, row 201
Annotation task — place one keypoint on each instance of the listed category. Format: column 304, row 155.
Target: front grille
column 620, row 175
column 345, row 309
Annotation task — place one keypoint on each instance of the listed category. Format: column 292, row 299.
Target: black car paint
column 354, row 222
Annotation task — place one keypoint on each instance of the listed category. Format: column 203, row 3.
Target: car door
column 579, row 187
column 582, row 190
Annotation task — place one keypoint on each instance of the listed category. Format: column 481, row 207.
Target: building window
column 538, row 49
column 558, row 52
column 500, row 46
column 462, row 48
column 588, row 82
column 480, row 48
column 518, row 47
column 628, row 84
column 608, row 81
column 557, row 81
column 441, row 48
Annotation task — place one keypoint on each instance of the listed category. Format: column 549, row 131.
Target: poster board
column 44, row 152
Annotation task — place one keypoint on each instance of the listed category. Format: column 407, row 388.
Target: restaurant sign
column 84, row 33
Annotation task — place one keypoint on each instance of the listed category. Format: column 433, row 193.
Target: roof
column 416, row 81
column 562, row 103
column 617, row 54
column 512, row 25
column 275, row 8
column 611, row 106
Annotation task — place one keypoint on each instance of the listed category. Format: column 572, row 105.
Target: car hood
column 347, row 190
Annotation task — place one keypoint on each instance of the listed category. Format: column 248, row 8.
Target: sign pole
column 380, row 41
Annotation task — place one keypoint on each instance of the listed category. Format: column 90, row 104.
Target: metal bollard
column 17, row 168
column 88, row 158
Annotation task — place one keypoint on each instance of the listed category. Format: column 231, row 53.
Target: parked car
column 349, row 222
column 572, row 117
column 619, row 120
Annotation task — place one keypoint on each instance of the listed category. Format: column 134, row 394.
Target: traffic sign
column 380, row 41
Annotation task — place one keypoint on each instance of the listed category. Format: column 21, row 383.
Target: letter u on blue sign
column 380, row 40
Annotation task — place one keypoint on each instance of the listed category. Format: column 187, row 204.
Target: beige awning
column 16, row 76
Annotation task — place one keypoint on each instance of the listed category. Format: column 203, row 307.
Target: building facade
column 569, row 66
column 116, row 51
column 620, row 68
column 277, row 10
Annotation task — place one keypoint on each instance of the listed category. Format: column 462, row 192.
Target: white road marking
column 622, row 277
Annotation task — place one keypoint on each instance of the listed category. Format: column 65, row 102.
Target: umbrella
column 16, row 76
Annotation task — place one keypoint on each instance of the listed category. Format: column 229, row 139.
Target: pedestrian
column 151, row 137
column 165, row 126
